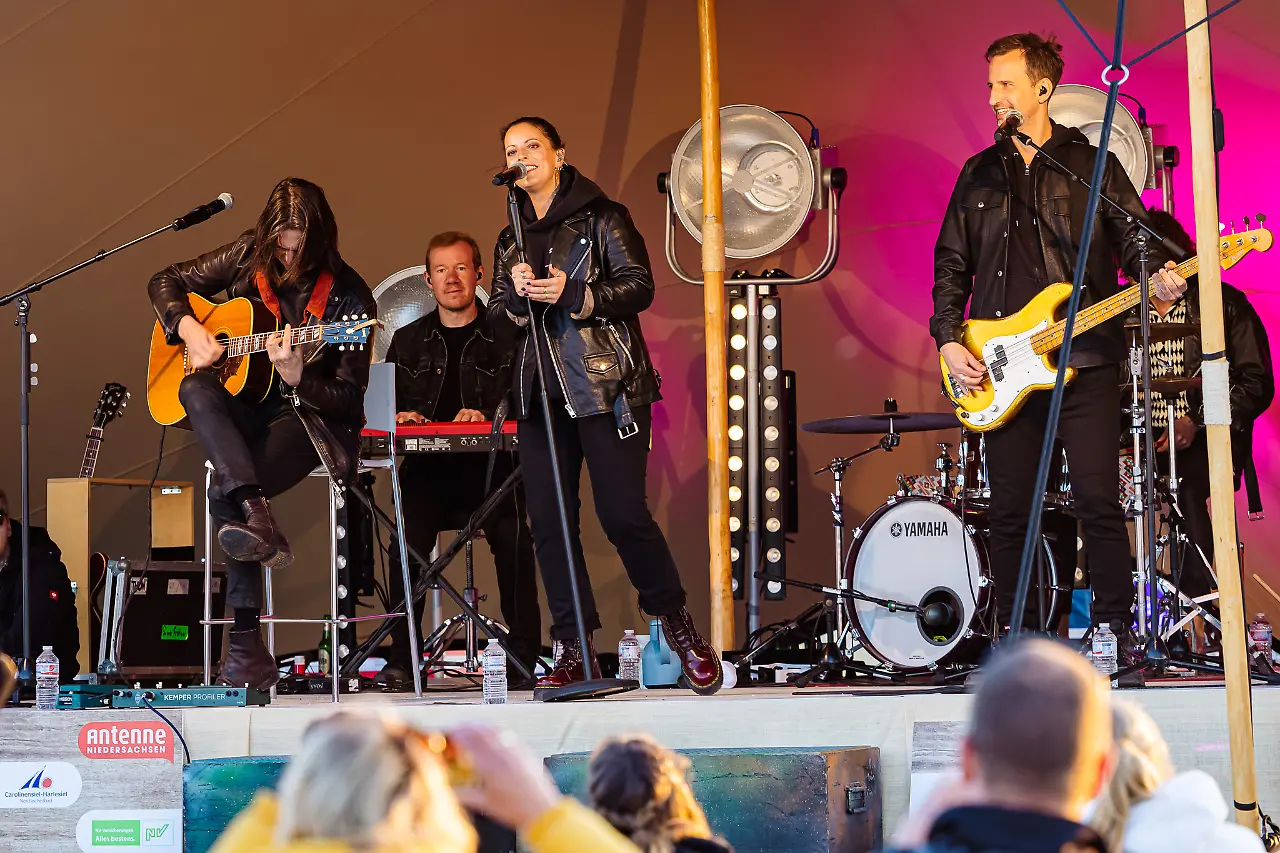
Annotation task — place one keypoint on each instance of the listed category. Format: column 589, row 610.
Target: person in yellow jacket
column 379, row 786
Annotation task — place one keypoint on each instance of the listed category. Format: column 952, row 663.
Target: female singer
column 588, row 278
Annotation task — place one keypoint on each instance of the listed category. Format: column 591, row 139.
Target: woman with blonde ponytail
column 640, row 787
column 1145, row 808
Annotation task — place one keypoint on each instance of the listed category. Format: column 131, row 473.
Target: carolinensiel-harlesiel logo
column 32, row 785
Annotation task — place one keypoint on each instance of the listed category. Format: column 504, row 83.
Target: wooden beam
column 713, row 300
column 1217, row 408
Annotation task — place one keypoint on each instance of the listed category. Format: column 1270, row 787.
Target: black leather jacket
column 972, row 253
column 53, row 606
column 419, row 351
column 330, row 396
column 599, row 352
column 989, row 829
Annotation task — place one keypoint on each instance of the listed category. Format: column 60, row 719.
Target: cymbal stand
column 837, row 467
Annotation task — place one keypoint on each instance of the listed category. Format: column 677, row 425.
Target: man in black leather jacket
column 53, row 605
column 1037, row 751
column 312, row 414
column 1012, row 227
column 1252, row 384
column 455, row 365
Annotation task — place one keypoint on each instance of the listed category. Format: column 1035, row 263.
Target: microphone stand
column 1155, row 656
column 27, row 378
column 589, row 688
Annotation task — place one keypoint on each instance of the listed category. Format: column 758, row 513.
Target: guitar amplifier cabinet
column 161, row 632
column 798, row 799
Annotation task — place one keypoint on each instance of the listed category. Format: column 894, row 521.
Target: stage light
column 772, row 494
column 735, row 463
column 771, row 463
column 771, row 433
column 773, row 587
column 738, row 342
column 735, row 524
column 736, row 402
column 737, row 373
column 771, row 373
column 769, row 312
column 734, row 554
column 735, row 433
column 738, row 311
column 1083, row 107
column 771, row 403
column 773, row 525
column 770, row 342
column 735, row 493
column 773, row 555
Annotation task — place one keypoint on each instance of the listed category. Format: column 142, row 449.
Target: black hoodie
column 576, row 191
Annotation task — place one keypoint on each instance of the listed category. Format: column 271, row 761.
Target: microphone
column 1009, row 127
column 203, row 212
column 511, row 174
column 936, row 614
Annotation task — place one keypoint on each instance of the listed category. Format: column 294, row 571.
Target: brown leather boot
column 248, row 663
column 258, row 539
column 699, row 661
column 567, row 667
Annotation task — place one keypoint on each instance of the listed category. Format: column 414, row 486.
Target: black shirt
column 455, row 339
column 1026, row 255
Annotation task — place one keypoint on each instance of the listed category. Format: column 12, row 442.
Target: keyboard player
column 455, row 365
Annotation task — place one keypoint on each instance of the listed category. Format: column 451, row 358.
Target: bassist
column 1012, row 227
column 313, row 411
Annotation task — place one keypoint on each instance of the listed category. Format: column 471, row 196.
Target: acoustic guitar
column 1018, row 349
column 243, row 326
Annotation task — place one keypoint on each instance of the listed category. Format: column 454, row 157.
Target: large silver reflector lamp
column 768, row 174
column 1084, row 107
column 403, row 297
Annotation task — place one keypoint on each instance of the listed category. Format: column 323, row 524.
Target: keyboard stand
column 432, row 575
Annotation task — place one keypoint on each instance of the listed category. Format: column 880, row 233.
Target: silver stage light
column 1084, row 107
column 403, row 297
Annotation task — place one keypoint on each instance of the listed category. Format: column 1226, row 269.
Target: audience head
column 1040, row 735
column 1142, row 764
column 370, row 782
column 640, row 787
column 454, row 269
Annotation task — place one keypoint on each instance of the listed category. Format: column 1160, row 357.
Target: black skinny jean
column 1193, row 500
column 441, row 493
column 618, row 470
column 1089, row 429
column 250, row 444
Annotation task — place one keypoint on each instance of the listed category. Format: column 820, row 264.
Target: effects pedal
column 188, row 697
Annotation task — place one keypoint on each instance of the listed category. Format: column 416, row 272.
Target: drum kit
column 913, row 586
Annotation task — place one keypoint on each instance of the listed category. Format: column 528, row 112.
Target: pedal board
column 189, row 697
column 79, row 696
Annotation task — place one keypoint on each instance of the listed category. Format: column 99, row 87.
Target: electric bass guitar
column 243, row 327
column 1018, row 349
column 111, row 403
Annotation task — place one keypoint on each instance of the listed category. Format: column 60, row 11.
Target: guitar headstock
column 350, row 331
column 1235, row 246
column 111, row 404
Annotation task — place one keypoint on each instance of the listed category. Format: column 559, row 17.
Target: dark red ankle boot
column 699, row 661
column 568, row 664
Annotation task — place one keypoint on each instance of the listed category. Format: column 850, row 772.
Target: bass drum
column 919, row 551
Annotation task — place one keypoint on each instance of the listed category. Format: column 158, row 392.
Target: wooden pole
column 1218, row 421
column 713, row 299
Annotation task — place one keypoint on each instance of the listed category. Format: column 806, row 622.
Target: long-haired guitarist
column 313, row 410
column 1012, row 227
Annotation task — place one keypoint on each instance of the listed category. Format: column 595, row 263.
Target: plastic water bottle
column 629, row 656
column 1105, row 650
column 494, row 664
column 47, row 673
column 1260, row 636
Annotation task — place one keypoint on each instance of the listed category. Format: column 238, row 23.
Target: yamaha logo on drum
column 918, row 528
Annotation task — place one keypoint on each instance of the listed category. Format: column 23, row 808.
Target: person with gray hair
column 1038, row 750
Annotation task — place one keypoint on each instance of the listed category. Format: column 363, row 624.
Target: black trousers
column 250, row 444
column 441, row 493
column 1089, row 429
column 618, row 470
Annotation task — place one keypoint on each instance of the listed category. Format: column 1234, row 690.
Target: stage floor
column 1191, row 713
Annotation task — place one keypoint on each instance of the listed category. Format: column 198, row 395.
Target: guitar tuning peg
column 1262, row 217
column 1246, row 222
column 345, row 318
column 1232, row 224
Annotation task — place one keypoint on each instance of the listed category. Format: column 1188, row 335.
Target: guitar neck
column 249, row 344
column 91, row 453
column 1052, row 338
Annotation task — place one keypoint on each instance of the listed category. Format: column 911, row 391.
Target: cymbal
column 1172, row 385
column 1161, row 332
column 884, row 422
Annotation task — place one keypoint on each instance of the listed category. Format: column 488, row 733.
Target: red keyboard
column 437, row 438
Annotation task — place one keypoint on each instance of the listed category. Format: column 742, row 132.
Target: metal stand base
column 596, row 688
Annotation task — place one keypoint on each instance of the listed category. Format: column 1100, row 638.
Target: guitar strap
column 315, row 307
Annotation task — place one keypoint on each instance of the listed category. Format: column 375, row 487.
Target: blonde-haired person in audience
column 1145, row 808
column 376, row 785
column 641, row 788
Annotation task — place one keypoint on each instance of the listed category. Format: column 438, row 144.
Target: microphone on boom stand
column 1008, row 128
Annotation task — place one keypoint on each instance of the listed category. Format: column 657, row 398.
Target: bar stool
column 380, row 414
